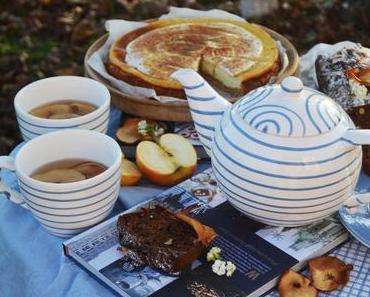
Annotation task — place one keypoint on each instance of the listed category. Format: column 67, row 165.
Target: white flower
column 158, row 132
column 358, row 90
column 230, row 268
column 214, row 254
column 142, row 127
column 219, row 267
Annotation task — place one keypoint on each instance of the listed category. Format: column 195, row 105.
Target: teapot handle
column 357, row 136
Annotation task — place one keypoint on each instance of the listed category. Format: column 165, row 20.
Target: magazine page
column 304, row 241
column 261, row 253
column 188, row 131
column 257, row 261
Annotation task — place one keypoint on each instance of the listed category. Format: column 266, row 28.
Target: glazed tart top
column 229, row 51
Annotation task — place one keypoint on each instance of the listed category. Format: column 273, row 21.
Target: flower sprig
column 144, row 128
column 214, row 254
column 219, row 266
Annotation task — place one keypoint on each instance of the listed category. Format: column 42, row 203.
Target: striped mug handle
column 8, row 163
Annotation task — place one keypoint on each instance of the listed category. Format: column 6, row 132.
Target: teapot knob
column 292, row 84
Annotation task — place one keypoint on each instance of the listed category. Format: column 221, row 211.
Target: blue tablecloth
column 32, row 261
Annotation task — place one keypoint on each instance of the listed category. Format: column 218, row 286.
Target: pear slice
column 89, row 169
column 51, row 110
column 329, row 273
column 293, row 284
column 62, row 116
column 82, row 108
column 361, row 75
column 59, row 176
column 364, row 76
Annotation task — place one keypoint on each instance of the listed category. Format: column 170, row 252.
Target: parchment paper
column 117, row 28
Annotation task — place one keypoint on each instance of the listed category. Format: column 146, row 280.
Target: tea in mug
column 68, row 171
column 63, row 109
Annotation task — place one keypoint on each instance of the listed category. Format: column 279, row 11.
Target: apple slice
column 128, row 133
column 130, row 174
column 293, row 284
column 168, row 162
column 329, row 273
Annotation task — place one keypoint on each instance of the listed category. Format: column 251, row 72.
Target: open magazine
column 261, row 253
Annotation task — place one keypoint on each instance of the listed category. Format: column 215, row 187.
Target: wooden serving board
column 177, row 111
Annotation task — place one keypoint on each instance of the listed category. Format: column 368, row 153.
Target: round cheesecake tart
column 233, row 56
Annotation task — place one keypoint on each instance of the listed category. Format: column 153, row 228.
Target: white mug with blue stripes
column 284, row 155
column 52, row 89
column 68, row 208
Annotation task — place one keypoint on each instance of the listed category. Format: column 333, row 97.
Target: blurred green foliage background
column 41, row 38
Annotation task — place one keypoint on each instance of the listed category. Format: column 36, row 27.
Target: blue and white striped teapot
column 284, row 155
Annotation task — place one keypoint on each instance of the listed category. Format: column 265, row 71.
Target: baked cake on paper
column 335, row 76
column 235, row 56
column 345, row 77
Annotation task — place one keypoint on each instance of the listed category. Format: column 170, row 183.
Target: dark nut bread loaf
column 333, row 79
column 163, row 240
column 337, row 76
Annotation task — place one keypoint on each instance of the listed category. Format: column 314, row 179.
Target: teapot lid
column 289, row 109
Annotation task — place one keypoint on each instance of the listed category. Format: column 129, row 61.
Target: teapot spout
column 206, row 105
